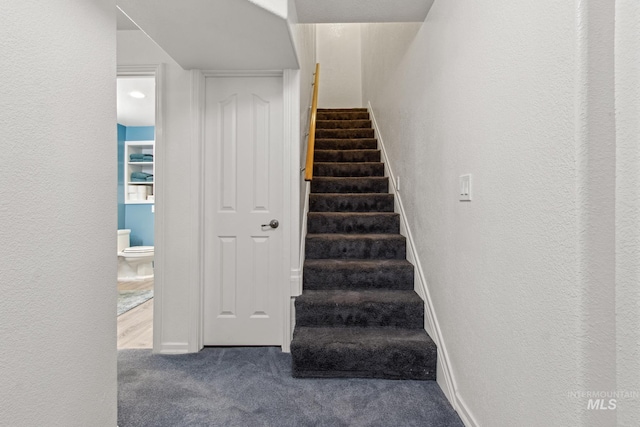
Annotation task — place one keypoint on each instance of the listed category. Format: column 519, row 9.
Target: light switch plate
column 465, row 188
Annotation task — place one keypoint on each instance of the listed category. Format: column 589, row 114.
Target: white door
column 243, row 192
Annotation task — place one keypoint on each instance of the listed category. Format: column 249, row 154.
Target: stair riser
column 346, row 156
column 348, row 278
column 343, row 116
column 351, row 203
column 406, row 362
column 348, row 169
column 363, row 248
column 332, row 223
column 346, row 144
column 350, row 185
column 343, row 124
column 366, row 314
column 344, row 133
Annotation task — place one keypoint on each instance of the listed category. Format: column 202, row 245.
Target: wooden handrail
column 311, row 141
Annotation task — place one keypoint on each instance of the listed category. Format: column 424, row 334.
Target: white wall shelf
column 138, row 192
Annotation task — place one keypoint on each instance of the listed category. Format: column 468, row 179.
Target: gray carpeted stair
column 355, row 246
column 353, row 222
column 342, row 115
column 347, row 156
column 350, row 202
column 358, row 315
column 348, row 169
column 343, row 124
column 358, row 184
column 393, row 353
column 346, row 144
column 344, row 133
column 325, row 274
column 362, row 308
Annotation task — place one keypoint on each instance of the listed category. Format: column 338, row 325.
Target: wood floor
column 135, row 327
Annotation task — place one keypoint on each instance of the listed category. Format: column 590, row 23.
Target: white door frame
column 290, row 199
column 156, row 71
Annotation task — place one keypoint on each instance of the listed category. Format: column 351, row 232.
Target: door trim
column 290, row 202
column 157, row 71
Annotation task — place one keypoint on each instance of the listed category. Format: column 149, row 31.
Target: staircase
column 358, row 315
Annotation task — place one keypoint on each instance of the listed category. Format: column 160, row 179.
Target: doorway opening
column 137, row 137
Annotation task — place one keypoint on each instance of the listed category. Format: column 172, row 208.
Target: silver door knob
column 273, row 224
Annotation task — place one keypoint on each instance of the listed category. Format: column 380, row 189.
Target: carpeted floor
column 131, row 299
column 252, row 386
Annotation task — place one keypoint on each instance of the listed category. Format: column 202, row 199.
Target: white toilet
column 134, row 262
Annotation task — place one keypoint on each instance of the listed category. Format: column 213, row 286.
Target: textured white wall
column 628, row 206
column 339, row 54
column 305, row 38
column 499, row 89
column 58, row 213
column 135, row 48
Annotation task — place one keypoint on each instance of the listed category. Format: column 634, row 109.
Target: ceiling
column 343, row 11
column 133, row 111
column 218, row 34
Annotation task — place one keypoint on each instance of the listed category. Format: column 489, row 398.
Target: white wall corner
column 291, row 81
column 291, row 191
column 196, row 286
column 444, row 375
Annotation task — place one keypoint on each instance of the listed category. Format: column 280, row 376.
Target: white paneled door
column 243, row 203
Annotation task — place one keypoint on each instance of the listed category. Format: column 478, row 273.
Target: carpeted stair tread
column 330, row 184
column 346, row 144
column 353, row 222
column 355, row 246
column 325, row 274
column 340, row 110
column 342, row 115
column 348, row 169
column 351, row 202
column 344, row 133
column 393, row 353
column 346, row 155
column 343, row 124
column 360, row 308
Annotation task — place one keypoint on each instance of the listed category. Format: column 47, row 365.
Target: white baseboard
column 295, row 280
column 174, row 348
column 445, row 375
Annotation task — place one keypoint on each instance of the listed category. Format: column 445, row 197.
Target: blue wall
column 139, row 219
column 136, row 217
column 121, row 209
column 141, row 133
